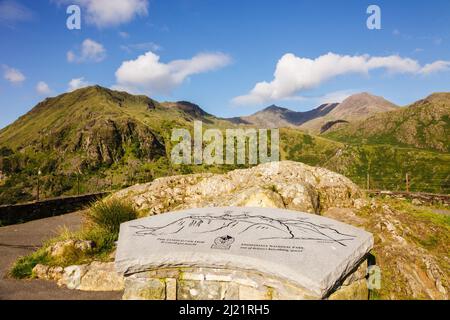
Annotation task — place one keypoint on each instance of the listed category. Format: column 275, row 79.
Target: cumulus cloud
column 43, row 88
column 295, row 74
column 90, row 51
column 110, row 13
column 13, row 75
column 436, row 66
column 77, row 83
column 148, row 74
column 12, row 12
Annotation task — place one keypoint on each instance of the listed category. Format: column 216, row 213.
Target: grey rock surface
column 310, row 251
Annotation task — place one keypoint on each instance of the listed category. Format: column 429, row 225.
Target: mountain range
column 424, row 124
column 323, row 118
column 110, row 137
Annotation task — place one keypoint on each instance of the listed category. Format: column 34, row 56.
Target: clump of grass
column 425, row 213
column 23, row 267
column 104, row 241
column 109, row 214
column 103, row 224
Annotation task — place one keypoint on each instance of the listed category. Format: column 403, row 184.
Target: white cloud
column 147, row 74
column 77, row 83
column 43, row 88
column 436, row 66
column 295, row 74
column 110, row 13
column 12, row 12
column 91, row 51
column 13, row 75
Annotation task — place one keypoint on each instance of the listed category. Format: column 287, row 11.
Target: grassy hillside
column 92, row 139
column 424, row 125
column 386, row 165
column 96, row 139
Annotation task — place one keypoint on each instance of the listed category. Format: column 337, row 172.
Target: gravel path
column 19, row 240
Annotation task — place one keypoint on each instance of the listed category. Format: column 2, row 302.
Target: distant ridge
column 323, row 118
column 424, row 124
column 277, row 117
column 355, row 108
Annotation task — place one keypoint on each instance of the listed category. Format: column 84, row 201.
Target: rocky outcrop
column 96, row 276
column 287, row 184
column 44, row 272
column 410, row 249
column 105, row 141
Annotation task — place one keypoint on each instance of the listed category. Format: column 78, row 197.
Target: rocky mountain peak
column 361, row 105
column 188, row 108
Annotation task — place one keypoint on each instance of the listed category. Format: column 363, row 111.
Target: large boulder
column 287, row 184
column 96, row 276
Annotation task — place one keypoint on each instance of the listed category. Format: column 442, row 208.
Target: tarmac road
column 19, row 240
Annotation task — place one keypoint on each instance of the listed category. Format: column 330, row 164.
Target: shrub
column 108, row 215
column 104, row 242
column 23, row 267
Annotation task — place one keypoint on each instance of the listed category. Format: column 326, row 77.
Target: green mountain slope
column 424, row 125
column 96, row 139
column 92, row 124
column 386, row 165
column 104, row 137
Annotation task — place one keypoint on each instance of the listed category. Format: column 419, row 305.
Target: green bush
column 104, row 242
column 107, row 216
column 24, row 266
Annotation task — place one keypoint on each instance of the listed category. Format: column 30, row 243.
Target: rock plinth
column 241, row 253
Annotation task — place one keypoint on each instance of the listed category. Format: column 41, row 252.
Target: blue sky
column 215, row 52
